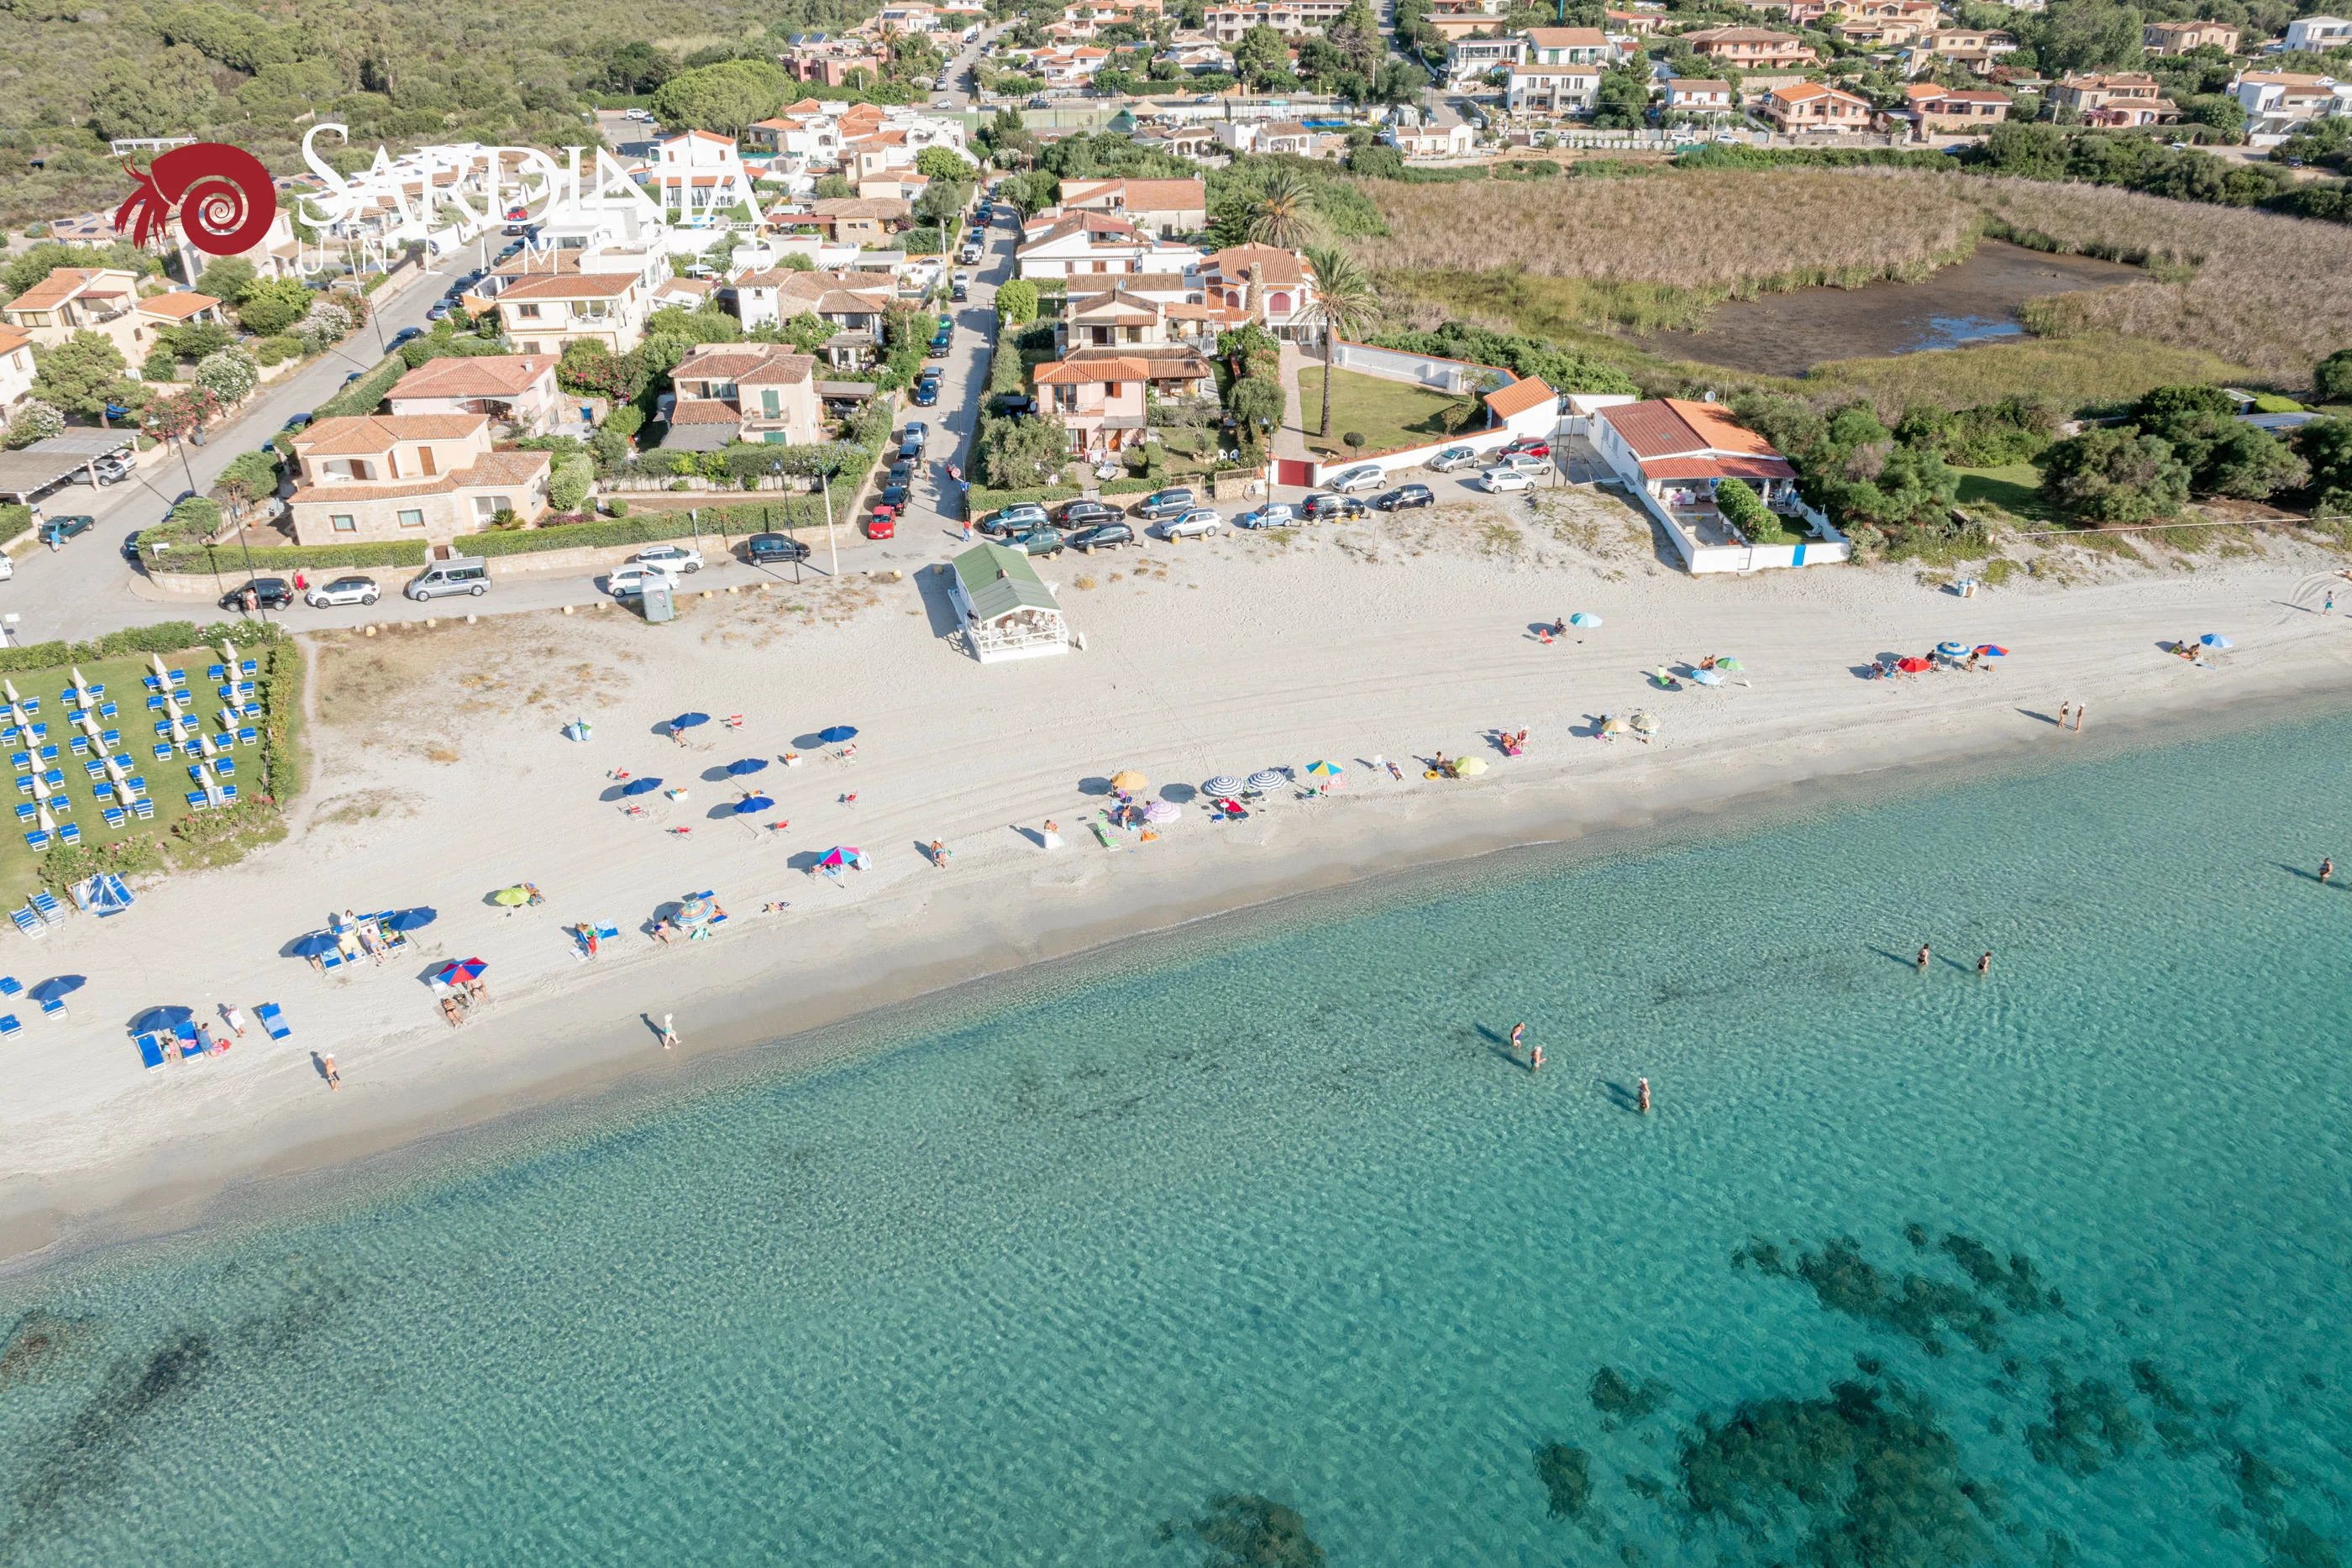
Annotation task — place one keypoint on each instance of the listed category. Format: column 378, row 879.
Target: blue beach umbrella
column 1953, row 650
column 641, row 786
column 316, row 943
column 750, row 803
column 838, row 734
column 158, row 1020
column 55, row 987
column 1581, row 619
column 688, row 720
column 747, row 765
column 2215, row 640
column 1706, row 677
column 409, row 919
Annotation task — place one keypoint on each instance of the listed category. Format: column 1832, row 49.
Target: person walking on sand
column 2329, row 608
column 1984, row 964
column 327, row 1066
column 2064, row 709
column 1052, row 834
column 670, row 1035
column 2080, row 709
column 1923, row 957
column 1641, row 1096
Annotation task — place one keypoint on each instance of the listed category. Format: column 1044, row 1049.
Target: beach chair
column 26, row 812
column 8, row 1025
column 184, row 1037
column 179, row 677
column 10, row 988
column 11, row 735
column 216, row 671
column 47, row 906
column 196, row 801
column 55, row 779
column 115, row 819
column 192, row 747
column 79, row 746
column 248, row 736
column 142, row 808
column 36, row 840
column 27, row 924
column 22, row 761
column 54, row 1008
column 70, row 833
column 155, row 703
column 48, row 756
column 61, row 804
column 249, row 667
column 123, row 759
column 102, row 788
column 107, row 711
column 31, row 704
column 273, row 1020
column 164, row 752
column 94, row 769
column 25, row 784
column 228, row 794
column 608, row 934
column 110, row 740
column 332, row 958
column 163, row 728
column 251, row 710
column 227, row 694
column 225, row 768
column 151, row 1049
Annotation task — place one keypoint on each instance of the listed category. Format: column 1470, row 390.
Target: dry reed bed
column 1714, row 232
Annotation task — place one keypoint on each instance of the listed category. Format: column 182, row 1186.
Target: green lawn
column 1387, row 414
column 140, row 846
column 2014, row 488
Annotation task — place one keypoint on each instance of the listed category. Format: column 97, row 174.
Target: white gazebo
column 1004, row 609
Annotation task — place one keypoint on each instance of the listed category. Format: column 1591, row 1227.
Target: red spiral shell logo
column 225, row 197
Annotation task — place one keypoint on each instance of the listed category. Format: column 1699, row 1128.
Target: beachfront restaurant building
column 1004, row 608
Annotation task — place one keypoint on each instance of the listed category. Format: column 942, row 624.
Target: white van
column 460, row 574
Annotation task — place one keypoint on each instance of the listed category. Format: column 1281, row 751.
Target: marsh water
column 1974, row 301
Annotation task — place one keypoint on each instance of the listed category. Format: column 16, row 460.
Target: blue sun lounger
column 273, row 1020
column 8, row 1025
column 27, row 923
column 151, row 1049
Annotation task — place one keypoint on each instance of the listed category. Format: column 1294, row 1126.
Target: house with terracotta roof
column 865, row 220
column 2184, row 37
column 1166, row 337
column 2277, row 103
column 2113, row 99
column 15, row 367
column 1164, row 207
column 1701, row 96
column 1567, row 47
column 428, row 477
column 1099, row 401
column 1633, row 23
column 848, row 301
column 78, row 299
column 1812, row 107
column 1673, row 454
column 1932, row 111
column 758, row 393
column 517, row 390
column 1750, row 49
column 1976, row 50
column 1073, row 67
column 548, row 312
column 1553, row 90
column 1068, row 245
column 1276, row 288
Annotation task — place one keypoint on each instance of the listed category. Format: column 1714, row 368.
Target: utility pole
column 833, row 549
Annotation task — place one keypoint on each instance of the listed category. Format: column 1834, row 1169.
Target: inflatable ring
column 1432, row 773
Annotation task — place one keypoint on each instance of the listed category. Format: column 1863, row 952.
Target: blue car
column 926, row 394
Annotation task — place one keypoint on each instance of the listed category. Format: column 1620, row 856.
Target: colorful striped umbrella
column 459, row 970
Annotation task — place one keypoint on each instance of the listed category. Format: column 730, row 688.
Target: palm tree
column 1284, row 213
column 1346, row 303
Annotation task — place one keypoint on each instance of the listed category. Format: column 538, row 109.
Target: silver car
column 1199, row 523
column 1366, row 477
column 343, row 590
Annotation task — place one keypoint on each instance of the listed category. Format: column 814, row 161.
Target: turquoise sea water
column 2046, row 1267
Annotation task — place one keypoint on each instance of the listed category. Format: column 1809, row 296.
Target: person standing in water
column 1923, row 957
column 1519, row 1037
column 1641, row 1100
column 2064, row 709
column 670, row 1035
column 1984, row 964
column 2327, row 870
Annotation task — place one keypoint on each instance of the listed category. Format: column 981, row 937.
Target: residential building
column 1635, row 23
column 1072, row 67
column 1164, row 207
column 1072, row 243
column 1419, row 143
column 518, row 390
column 1975, row 49
column 1470, row 59
column 1553, row 90
column 2181, row 37
column 423, row 476
column 548, row 312
column 176, row 307
column 78, row 299
column 698, row 178
column 1813, row 106
column 274, row 257
column 1201, row 55
column 1877, row 32
column 1700, row 96
column 2318, row 34
column 835, row 62
column 1273, row 287
column 685, row 293
column 1567, row 47
column 1290, row 136
column 15, row 367
column 849, row 301
column 2278, row 102
column 1455, row 20
column 763, row 393
column 1100, row 402
column 1932, row 111
column 861, row 221
column 813, row 136
column 1750, row 49
column 1291, row 18
column 2118, row 99
column 1677, row 452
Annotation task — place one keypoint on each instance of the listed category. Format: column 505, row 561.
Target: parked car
column 1038, row 541
column 57, row 531
column 1272, row 515
column 343, row 590
column 298, row 422
column 107, row 470
column 677, row 558
column 8, row 569
column 1083, row 512
column 1102, row 536
column 960, row 292
column 893, row 496
column 1494, row 481
column 1404, row 496
column 1526, row 463
column 1173, row 503
column 1014, row 521
column 406, row 333
column 761, row 549
column 131, row 546
column 632, row 578
column 939, row 343
column 1199, row 523
column 269, row 593
column 917, row 436
column 926, row 392
column 882, row 525
column 1323, row 508
column 1364, row 477
column 1453, row 457
column 1533, row 446
column 440, row 310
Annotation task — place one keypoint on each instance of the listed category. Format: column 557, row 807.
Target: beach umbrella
column 459, row 970
column 1325, row 769
column 688, row 720
column 162, row 674
column 1162, row 811
column 1991, row 651
column 512, row 898
column 1127, row 780
column 409, row 919
column 10, row 687
column 1581, row 619
column 1222, row 784
column 49, row 824
column 1470, row 768
column 204, row 744
column 835, row 859
column 1268, row 779
column 89, row 723
column 750, row 803
column 80, row 685
column 228, row 653
column 1912, row 666
column 696, row 908
column 115, row 769
column 838, row 734
column 742, row 766
column 1725, row 662
column 1646, row 722
column 316, row 943
column 159, row 1020
column 16, row 715
column 1953, row 650
column 41, row 787
column 641, row 786
column 1706, row 677
column 56, row 988
column 1614, row 726
column 2215, row 640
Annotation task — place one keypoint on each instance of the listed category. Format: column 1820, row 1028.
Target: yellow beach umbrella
column 1470, row 767
column 1614, row 726
column 512, row 898
column 1129, row 780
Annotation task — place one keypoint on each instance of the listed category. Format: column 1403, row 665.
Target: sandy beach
column 440, row 773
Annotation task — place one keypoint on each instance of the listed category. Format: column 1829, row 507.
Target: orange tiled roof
column 358, row 435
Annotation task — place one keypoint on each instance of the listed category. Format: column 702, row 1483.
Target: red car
column 1533, row 446
column 881, row 525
